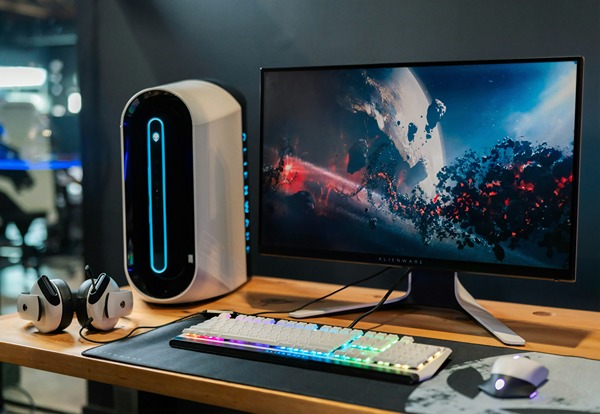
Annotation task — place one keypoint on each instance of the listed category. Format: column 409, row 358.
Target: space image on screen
column 469, row 166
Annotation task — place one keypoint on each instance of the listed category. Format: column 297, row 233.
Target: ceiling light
column 21, row 76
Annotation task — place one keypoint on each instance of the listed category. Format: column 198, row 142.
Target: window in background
column 40, row 176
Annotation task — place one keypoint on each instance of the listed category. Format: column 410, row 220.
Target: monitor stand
column 434, row 289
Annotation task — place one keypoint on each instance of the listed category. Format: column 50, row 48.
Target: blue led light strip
column 153, row 136
column 246, row 197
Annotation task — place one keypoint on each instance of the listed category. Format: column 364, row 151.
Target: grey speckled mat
column 455, row 384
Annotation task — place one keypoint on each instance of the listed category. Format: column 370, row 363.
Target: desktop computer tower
column 183, row 192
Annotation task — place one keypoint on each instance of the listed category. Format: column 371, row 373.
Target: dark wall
column 126, row 46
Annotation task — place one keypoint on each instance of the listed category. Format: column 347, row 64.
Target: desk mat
column 456, row 384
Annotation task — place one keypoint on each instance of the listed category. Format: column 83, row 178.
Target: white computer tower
column 184, row 223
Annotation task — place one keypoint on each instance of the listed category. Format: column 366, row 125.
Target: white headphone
column 98, row 304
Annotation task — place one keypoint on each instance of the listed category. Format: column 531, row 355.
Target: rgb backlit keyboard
column 323, row 347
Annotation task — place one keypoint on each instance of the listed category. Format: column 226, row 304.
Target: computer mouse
column 515, row 376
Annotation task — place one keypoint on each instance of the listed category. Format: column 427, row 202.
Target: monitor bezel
column 496, row 269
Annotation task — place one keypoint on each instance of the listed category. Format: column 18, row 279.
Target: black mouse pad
column 151, row 349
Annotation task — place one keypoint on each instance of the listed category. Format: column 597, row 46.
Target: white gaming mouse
column 515, row 376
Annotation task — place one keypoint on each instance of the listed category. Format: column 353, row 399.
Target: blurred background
column 40, row 177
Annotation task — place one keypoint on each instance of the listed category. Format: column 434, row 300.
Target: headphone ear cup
column 92, row 302
column 67, row 300
column 81, row 302
column 49, row 305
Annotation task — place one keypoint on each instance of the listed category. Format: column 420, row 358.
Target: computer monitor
column 444, row 167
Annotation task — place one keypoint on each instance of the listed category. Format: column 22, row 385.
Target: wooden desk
column 551, row 330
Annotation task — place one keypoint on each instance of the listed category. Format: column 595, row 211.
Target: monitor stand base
column 433, row 289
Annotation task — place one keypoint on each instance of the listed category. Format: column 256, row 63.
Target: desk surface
column 550, row 330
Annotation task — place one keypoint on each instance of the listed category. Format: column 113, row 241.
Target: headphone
column 98, row 304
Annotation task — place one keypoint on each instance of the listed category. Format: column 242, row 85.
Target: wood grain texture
column 551, row 330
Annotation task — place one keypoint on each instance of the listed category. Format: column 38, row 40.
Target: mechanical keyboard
column 368, row 354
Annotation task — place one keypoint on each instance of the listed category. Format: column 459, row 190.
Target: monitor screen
column 463, row 166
